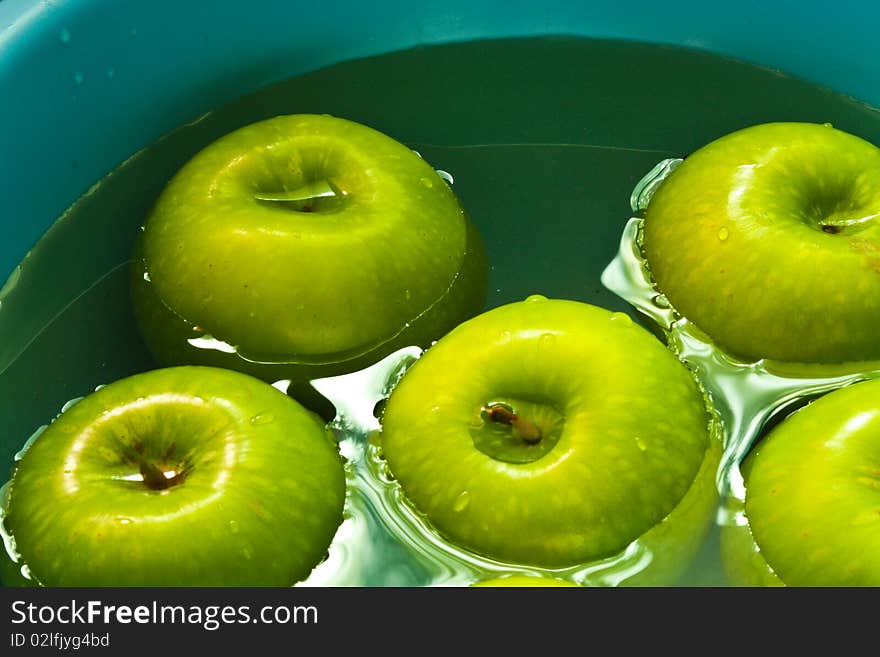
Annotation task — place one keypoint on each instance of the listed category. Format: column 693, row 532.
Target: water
column 546, row 139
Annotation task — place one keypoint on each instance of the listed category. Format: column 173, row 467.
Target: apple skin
column 304, row 294
column 259, row 499
column 741, row 558
column 632, row 437
column 813, row 497
column 522, row 581
column 768, row 239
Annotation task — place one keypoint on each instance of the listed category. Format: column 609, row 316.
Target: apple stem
column 528, row 431
column 154, row 478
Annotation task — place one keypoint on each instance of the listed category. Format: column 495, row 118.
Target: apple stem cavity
column 310, row 197
column 157, row 479
column 527, row 431
column 154, row 478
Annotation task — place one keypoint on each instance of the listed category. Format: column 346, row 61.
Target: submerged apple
column 768, row 239
column 812, row 500
column 187, row 476
column 304, row 246
column 553, row 433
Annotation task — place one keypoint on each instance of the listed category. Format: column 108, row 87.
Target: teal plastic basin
column 86, row 83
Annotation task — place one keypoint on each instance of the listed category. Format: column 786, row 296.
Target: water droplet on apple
column 26, row 573
column 534, row 298
column 641, row 444
column 435, row 409
column 461, row 502
column 64, row 35
column 247, row 553
column 622, row 319
column 660, row 301
column 147, row 277
column 233, row 526
column 723, row 233
column 445, row 175
column 30, row 441
column 407, row 294
column 426, row 182
column 546, row 341
column 827, row 125
column 123, row 520
column 69, row 404
column 262, row 418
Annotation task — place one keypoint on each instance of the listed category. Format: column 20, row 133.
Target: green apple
column 301, row 247
column 553, row 433
column 768, row 240
column 522, row 581
column 187, row 476
column 812, row 497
